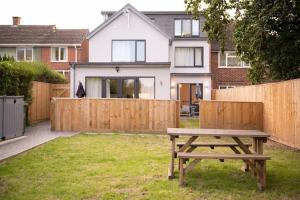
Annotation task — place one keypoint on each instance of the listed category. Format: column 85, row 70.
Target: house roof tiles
column 40, row 34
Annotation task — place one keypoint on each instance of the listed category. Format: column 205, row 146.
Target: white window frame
column 64, row 72
column 24, row 48
column 228, row 56
column 226, row 87
column 191, row 27
column 59, row 48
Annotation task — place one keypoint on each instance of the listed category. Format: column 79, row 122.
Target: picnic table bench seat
column 259, row 164
column 212, row 145
column 223, row 156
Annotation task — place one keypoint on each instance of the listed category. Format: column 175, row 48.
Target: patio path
column 34, row 136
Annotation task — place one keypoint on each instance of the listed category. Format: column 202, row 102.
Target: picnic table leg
column 171, row 169
column 261, row 178
column 181, row 172
column 254, row 146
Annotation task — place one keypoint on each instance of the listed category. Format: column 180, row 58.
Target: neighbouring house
column 44, row 43
column 227, row 69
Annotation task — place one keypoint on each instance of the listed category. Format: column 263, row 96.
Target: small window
column 24, row 54
column 128, row 51
column 59, row 54
column 223, row 87
column 189, row 57
column 186, row 27
column 230, row 59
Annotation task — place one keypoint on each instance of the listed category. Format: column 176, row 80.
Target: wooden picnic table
column 185, row 149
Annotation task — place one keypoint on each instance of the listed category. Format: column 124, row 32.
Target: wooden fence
column 114, row 115
column 231, row 115
column 39, row 109
column 281, row 107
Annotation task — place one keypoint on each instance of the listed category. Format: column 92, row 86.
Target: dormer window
column 186, row 28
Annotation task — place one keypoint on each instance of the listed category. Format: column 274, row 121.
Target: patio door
column 120, row 88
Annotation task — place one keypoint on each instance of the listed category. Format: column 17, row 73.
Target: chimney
column 16, row 21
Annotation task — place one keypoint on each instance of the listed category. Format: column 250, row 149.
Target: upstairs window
column 186, row 28
column 230, row 59
column 188, row 57
column 128, row 51
column 24, row 54
column 59, row 54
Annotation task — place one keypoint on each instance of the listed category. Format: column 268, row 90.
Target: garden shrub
column 16, row 77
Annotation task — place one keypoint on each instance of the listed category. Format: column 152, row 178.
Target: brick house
column 227, row 69
column 44, row 43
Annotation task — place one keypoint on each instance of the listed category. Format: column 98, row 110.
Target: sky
column 75, row 13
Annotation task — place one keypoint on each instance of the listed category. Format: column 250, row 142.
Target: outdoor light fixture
column 117, row 69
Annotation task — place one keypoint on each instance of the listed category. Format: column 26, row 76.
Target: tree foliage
column 266, row 33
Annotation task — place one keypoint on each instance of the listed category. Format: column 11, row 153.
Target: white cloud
column 75, row 13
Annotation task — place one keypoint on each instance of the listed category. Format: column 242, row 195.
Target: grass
column 189, row 123
column 124, row 166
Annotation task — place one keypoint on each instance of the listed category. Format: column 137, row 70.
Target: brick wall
column 230, row 76
column 83, row 52
column 82, row 56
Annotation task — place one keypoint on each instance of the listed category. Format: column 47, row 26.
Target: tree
column 266, row 33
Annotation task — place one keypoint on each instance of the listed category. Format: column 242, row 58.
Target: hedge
column 16, row 77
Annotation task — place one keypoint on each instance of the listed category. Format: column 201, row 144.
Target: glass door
column 112, row 88
column 128, row 88
column 121, row 88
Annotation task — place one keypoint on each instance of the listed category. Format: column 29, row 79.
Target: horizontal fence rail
column 39, row 109
column 231, row 115
column 281, row 107
column 69, row 114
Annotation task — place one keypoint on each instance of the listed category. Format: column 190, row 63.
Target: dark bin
column 12, row 117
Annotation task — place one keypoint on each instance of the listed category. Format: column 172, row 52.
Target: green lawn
column 124, row 166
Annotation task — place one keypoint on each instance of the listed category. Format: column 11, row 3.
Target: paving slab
column 35, row 136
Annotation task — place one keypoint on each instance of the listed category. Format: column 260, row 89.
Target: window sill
column 188, row 66
column 61, row 61
column 222, row 67
column 24, row 60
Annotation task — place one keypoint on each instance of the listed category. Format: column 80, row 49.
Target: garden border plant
column 16, row 77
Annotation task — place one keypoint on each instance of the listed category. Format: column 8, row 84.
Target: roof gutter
column 13, row 45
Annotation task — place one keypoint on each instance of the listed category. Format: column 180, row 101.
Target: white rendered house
column 150, row 55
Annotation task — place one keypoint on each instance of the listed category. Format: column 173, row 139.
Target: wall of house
column 227, row 76
column 205, row 80
column 129, row 27
column 8, row 51
column 204, row 69
column 83, row 52
column 161, row 75
column 46, row 58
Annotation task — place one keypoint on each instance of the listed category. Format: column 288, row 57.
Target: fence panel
column 231, row 115
column 281, row 107
column 114, row 115
column 39, row 109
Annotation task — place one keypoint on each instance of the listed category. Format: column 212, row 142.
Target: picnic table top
column 216, row 132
